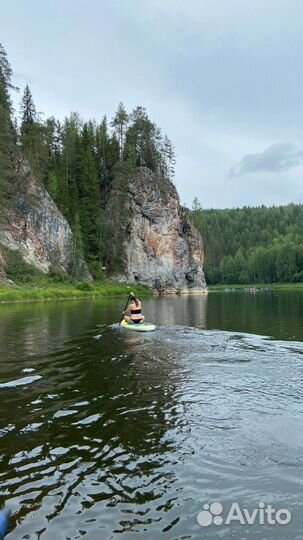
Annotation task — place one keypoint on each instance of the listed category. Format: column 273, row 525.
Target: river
column 107, row 434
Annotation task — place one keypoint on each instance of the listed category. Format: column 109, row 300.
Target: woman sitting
column 133, row 313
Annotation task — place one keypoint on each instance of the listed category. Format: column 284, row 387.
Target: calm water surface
column 106, row 434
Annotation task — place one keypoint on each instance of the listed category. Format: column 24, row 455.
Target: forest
column 251, row 245
column 81, row 163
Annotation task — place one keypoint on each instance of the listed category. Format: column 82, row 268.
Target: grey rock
column 163, row 248
column 36, row 228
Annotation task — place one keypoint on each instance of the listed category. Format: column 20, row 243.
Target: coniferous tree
column 32, row 135
column 141, row 140
column 53, row 157
column 28, row 110
column 107, row 154
column 68, row 195
column 6, row 157
column 6, row 129
column 119, row 123
column 253, row 245
column 101, row 152
column 6, row 85
column 170, row 156
column 89, row 194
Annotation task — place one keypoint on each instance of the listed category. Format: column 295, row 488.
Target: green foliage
column 49, row 291
column 6, row 129
column 252, row 245
column 56, row 276
column 145, row 146
column 32, row 133
column 85, row 286
column 52, row 184
column 6, row 74
column 17, row 269
column 119, row 123
column 6, row 162
column 114, row 219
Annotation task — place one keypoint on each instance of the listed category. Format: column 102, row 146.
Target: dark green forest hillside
column 81, row 164
column 252, row 245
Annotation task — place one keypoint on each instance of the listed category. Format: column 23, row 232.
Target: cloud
column 222, row 79
column 277, row 158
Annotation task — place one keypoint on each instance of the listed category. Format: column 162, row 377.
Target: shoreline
column 22, row 293
column 258, row 286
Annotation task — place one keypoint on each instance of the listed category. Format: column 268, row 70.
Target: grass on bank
column 48, row 290
column 30, row 284
column 53, row 291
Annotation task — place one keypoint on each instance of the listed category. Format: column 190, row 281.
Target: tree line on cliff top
column 252, row 245
column 80, row 163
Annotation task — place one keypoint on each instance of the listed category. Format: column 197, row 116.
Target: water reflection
column 91, row 421
column 111, row 432
column 277, row 314
column 180, row 310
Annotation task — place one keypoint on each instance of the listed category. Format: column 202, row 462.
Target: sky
column 222, row 78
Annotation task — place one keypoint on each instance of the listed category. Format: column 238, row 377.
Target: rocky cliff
column 162, row 247
column 35, row 228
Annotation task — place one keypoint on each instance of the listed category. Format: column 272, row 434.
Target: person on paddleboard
column 133, row 312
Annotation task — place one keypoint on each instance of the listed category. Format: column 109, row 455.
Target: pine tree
column 6, row 129
column 32, row 136
column 170, row 157
column 68, row 197
column 101, row 149
column 6, row 159
column 89, row 194
column 52, row 144
column 141, row 140
column 119, row 123
column 28, row 109
column 6, row 85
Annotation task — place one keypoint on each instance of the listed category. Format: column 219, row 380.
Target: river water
column 107, row 434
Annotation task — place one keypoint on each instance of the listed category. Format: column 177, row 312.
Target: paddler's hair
column 134, row 298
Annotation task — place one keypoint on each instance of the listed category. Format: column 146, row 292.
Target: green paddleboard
column 142, row 327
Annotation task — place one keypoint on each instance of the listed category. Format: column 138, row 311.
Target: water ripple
column 128, row 436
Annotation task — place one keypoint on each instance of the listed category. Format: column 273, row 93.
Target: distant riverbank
column 64, row 291
column 257, row 286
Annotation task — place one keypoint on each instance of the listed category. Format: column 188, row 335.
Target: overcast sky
column 223, row 79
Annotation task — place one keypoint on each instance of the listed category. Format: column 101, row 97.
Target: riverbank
column 43, row 291
column 68, row 291
column 258, row 286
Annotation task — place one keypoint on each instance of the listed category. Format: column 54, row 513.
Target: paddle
column 129, row 297
column 4, row 517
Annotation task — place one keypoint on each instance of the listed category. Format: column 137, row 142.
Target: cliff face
column 163, row 249
column 36, row 228
column 161, row 246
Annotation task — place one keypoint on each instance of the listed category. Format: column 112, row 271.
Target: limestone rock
column 36, row 228
column 163, row 249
